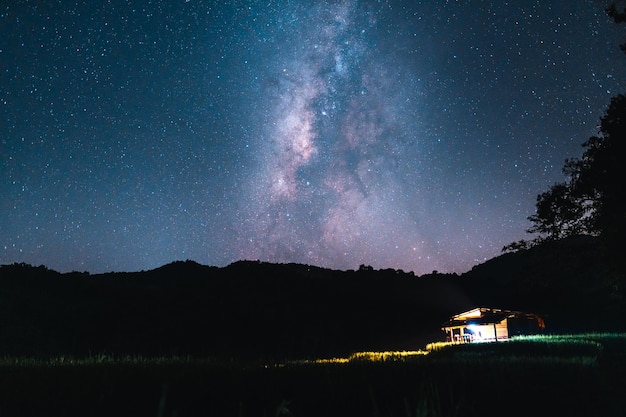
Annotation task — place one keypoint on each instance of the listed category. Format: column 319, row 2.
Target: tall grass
column 574, row 375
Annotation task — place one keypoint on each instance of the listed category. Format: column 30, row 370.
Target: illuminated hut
column 491, row 324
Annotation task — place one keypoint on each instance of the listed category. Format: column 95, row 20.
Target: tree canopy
column 592, row 199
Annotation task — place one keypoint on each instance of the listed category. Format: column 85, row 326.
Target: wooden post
column 495, row 331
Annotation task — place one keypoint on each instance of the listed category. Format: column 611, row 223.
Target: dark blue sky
column 408, row 135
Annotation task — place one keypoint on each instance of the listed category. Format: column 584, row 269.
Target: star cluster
column 405, row 135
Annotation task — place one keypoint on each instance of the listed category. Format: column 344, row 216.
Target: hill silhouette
column 254, row 310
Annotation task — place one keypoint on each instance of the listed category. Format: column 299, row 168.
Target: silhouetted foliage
column 618, row 17
column 559, row 214
column 598, row 177
column 593, row 198
column 516, row 246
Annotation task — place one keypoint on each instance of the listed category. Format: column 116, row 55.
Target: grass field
column 568, row 375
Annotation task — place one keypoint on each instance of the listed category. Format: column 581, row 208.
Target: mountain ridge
column 270, row 310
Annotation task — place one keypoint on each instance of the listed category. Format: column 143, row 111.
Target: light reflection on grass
column 587, row 346
column 371, row 357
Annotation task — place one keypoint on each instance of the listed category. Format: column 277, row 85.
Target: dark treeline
column 257, row 310
column 245, row 309
column 592, row 198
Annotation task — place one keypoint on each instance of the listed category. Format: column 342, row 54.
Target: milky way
column 405, row 135
column 326, row 191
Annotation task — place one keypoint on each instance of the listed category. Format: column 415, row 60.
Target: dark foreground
column 573, row 375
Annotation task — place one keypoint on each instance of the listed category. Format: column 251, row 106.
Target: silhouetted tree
column 559, row 213
column 516, row 246
column 597, row 179
column 617, row 16
column 593, row 199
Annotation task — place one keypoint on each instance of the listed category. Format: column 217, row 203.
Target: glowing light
column 372, row 357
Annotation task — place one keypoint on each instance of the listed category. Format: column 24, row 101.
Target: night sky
column 407, row 135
